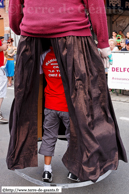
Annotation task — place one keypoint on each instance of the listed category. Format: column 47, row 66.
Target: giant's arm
column 96, row 9
column 15, row 15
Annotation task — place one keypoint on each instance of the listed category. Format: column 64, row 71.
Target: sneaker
column 2, row 119
column 9, row 85
column 73, row 177
column 47, row 176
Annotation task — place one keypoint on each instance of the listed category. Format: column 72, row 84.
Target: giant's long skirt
column 95, row 143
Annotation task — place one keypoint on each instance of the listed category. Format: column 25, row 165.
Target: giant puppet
column 95, row 144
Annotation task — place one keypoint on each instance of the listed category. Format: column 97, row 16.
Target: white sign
column 118, row 75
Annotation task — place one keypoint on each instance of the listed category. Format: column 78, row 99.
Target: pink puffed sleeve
column 15, row 15
column 96, row 9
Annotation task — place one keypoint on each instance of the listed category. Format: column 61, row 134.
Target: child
column 55, row 109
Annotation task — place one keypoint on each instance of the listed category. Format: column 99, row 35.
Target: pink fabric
column 1, row 56
column 55, row 18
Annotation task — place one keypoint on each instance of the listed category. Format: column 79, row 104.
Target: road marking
column 124, row 118
column 11, row 88
column 63, row 185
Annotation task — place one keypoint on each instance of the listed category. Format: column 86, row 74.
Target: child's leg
column 65, row 119
column 1, row 100
column 10, row 81
column 51, row 126
column 47, row 160
column 47, row 163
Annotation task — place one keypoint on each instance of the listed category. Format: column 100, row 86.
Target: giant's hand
column 106, row 53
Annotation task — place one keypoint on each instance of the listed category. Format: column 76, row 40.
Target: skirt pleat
column 22, row 151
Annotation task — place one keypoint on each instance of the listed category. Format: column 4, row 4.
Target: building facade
column 4, row 14
column 117, row 15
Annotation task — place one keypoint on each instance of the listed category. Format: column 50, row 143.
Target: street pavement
column 116, row 183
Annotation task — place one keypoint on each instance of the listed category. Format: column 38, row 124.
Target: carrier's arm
column 15, row 15
column 3, row 47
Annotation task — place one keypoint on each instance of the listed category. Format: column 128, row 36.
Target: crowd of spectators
column 119, row 42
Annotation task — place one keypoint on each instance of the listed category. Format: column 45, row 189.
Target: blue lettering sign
column 1, row 3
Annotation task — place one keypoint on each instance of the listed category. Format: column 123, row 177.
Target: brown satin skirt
column 95, row 143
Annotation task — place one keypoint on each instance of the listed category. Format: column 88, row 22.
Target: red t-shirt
column 1, row 56
column 54, row 91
